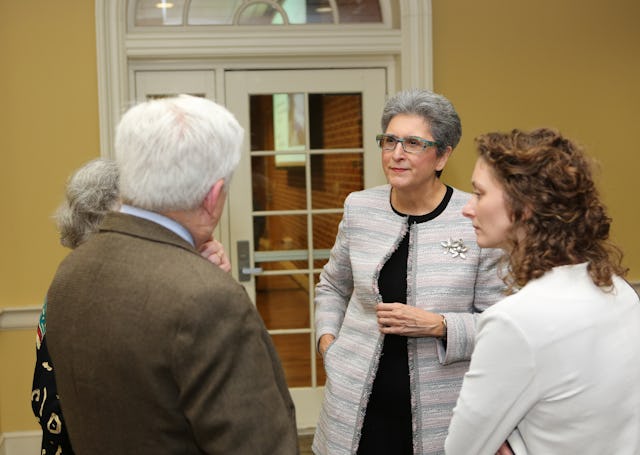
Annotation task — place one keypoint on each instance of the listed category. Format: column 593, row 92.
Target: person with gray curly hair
column 397, row 302
column 156, row 351
column 91, row 192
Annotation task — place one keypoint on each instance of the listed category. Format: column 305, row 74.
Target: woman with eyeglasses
column 397, row 303
column 556, row 368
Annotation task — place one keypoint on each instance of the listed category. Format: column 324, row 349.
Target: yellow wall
column 49, row 126
column 573, row 65
column 504, row 63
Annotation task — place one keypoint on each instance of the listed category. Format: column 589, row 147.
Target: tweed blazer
column 439, row 279
column 158, row 351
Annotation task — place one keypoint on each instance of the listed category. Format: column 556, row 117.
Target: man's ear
column 214, row 197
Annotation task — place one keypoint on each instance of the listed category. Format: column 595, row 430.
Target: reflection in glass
column 325, row 229
column 281, row 233
column 224, row 12
column 333, row 177
column 289, row 128
column 212, row 12
column 359, row 11
column 277, row 188
column 335, row 120
column 283, row 301
column 295, row 354
column 158, row 12
column 260, row 14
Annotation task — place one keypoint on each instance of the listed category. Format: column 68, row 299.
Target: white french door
column 309, row 141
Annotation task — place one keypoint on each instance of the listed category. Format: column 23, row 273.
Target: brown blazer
column 156, row 350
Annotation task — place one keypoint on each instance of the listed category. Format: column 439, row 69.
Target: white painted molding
column 19, row 318
column 112, row 71
column 20, row 443
column 297, row 42
column 417, row 44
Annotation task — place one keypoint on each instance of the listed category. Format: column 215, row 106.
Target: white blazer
column 557, row 367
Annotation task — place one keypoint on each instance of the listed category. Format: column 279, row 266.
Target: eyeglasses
column 411, row 144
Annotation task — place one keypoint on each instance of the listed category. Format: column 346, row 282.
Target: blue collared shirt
column 162, row 220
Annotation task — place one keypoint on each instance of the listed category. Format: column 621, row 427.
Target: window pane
column 283, row 301
column 212, row 12
column 308, row 12
column 277, row 187
column 335, row 121
column 359, row 11
column 222, row 12
column 325, row 229
column 295, row 354
column 333, row 177
column 260, row 14
column 150, row 12
column 278, row 122
column 280, row 233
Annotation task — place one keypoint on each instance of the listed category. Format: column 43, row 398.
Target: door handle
column 245, row 271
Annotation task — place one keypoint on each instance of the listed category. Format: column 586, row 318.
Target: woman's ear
column 442, row 159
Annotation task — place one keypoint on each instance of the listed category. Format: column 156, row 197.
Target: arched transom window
column 154, row 13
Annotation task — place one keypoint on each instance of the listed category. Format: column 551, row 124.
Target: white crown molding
column 19, row 318
column 263, row 43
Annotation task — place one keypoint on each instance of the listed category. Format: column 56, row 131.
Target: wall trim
column 27, row 317
column 20, row 442
column 19, row 318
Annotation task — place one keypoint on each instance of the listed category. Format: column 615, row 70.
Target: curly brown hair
column 555, row 206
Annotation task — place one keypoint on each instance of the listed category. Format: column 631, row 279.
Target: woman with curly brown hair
column 556, row 366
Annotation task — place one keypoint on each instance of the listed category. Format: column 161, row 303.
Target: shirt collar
column 162, row 220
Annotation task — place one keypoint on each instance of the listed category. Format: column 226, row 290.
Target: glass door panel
column 309, row 142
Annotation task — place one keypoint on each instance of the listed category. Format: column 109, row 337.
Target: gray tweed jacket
column 438, row 280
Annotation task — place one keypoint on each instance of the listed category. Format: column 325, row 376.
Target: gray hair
column 91, row 192
column 436, row 110
column 171, row 151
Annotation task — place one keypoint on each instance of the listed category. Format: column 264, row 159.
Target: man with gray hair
column 155, row 350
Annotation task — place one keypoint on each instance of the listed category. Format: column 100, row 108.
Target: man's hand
column 213, row 251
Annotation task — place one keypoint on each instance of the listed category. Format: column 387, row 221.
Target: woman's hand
column 406, row 320
column 213, row 251
column 325, row 341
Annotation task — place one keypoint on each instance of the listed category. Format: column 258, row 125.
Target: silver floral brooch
column 456, row 248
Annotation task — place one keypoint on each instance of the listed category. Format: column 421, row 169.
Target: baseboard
column 19, row 318
column 20, row 443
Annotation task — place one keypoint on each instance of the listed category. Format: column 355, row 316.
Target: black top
column 387, row 424
column 44, row 398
